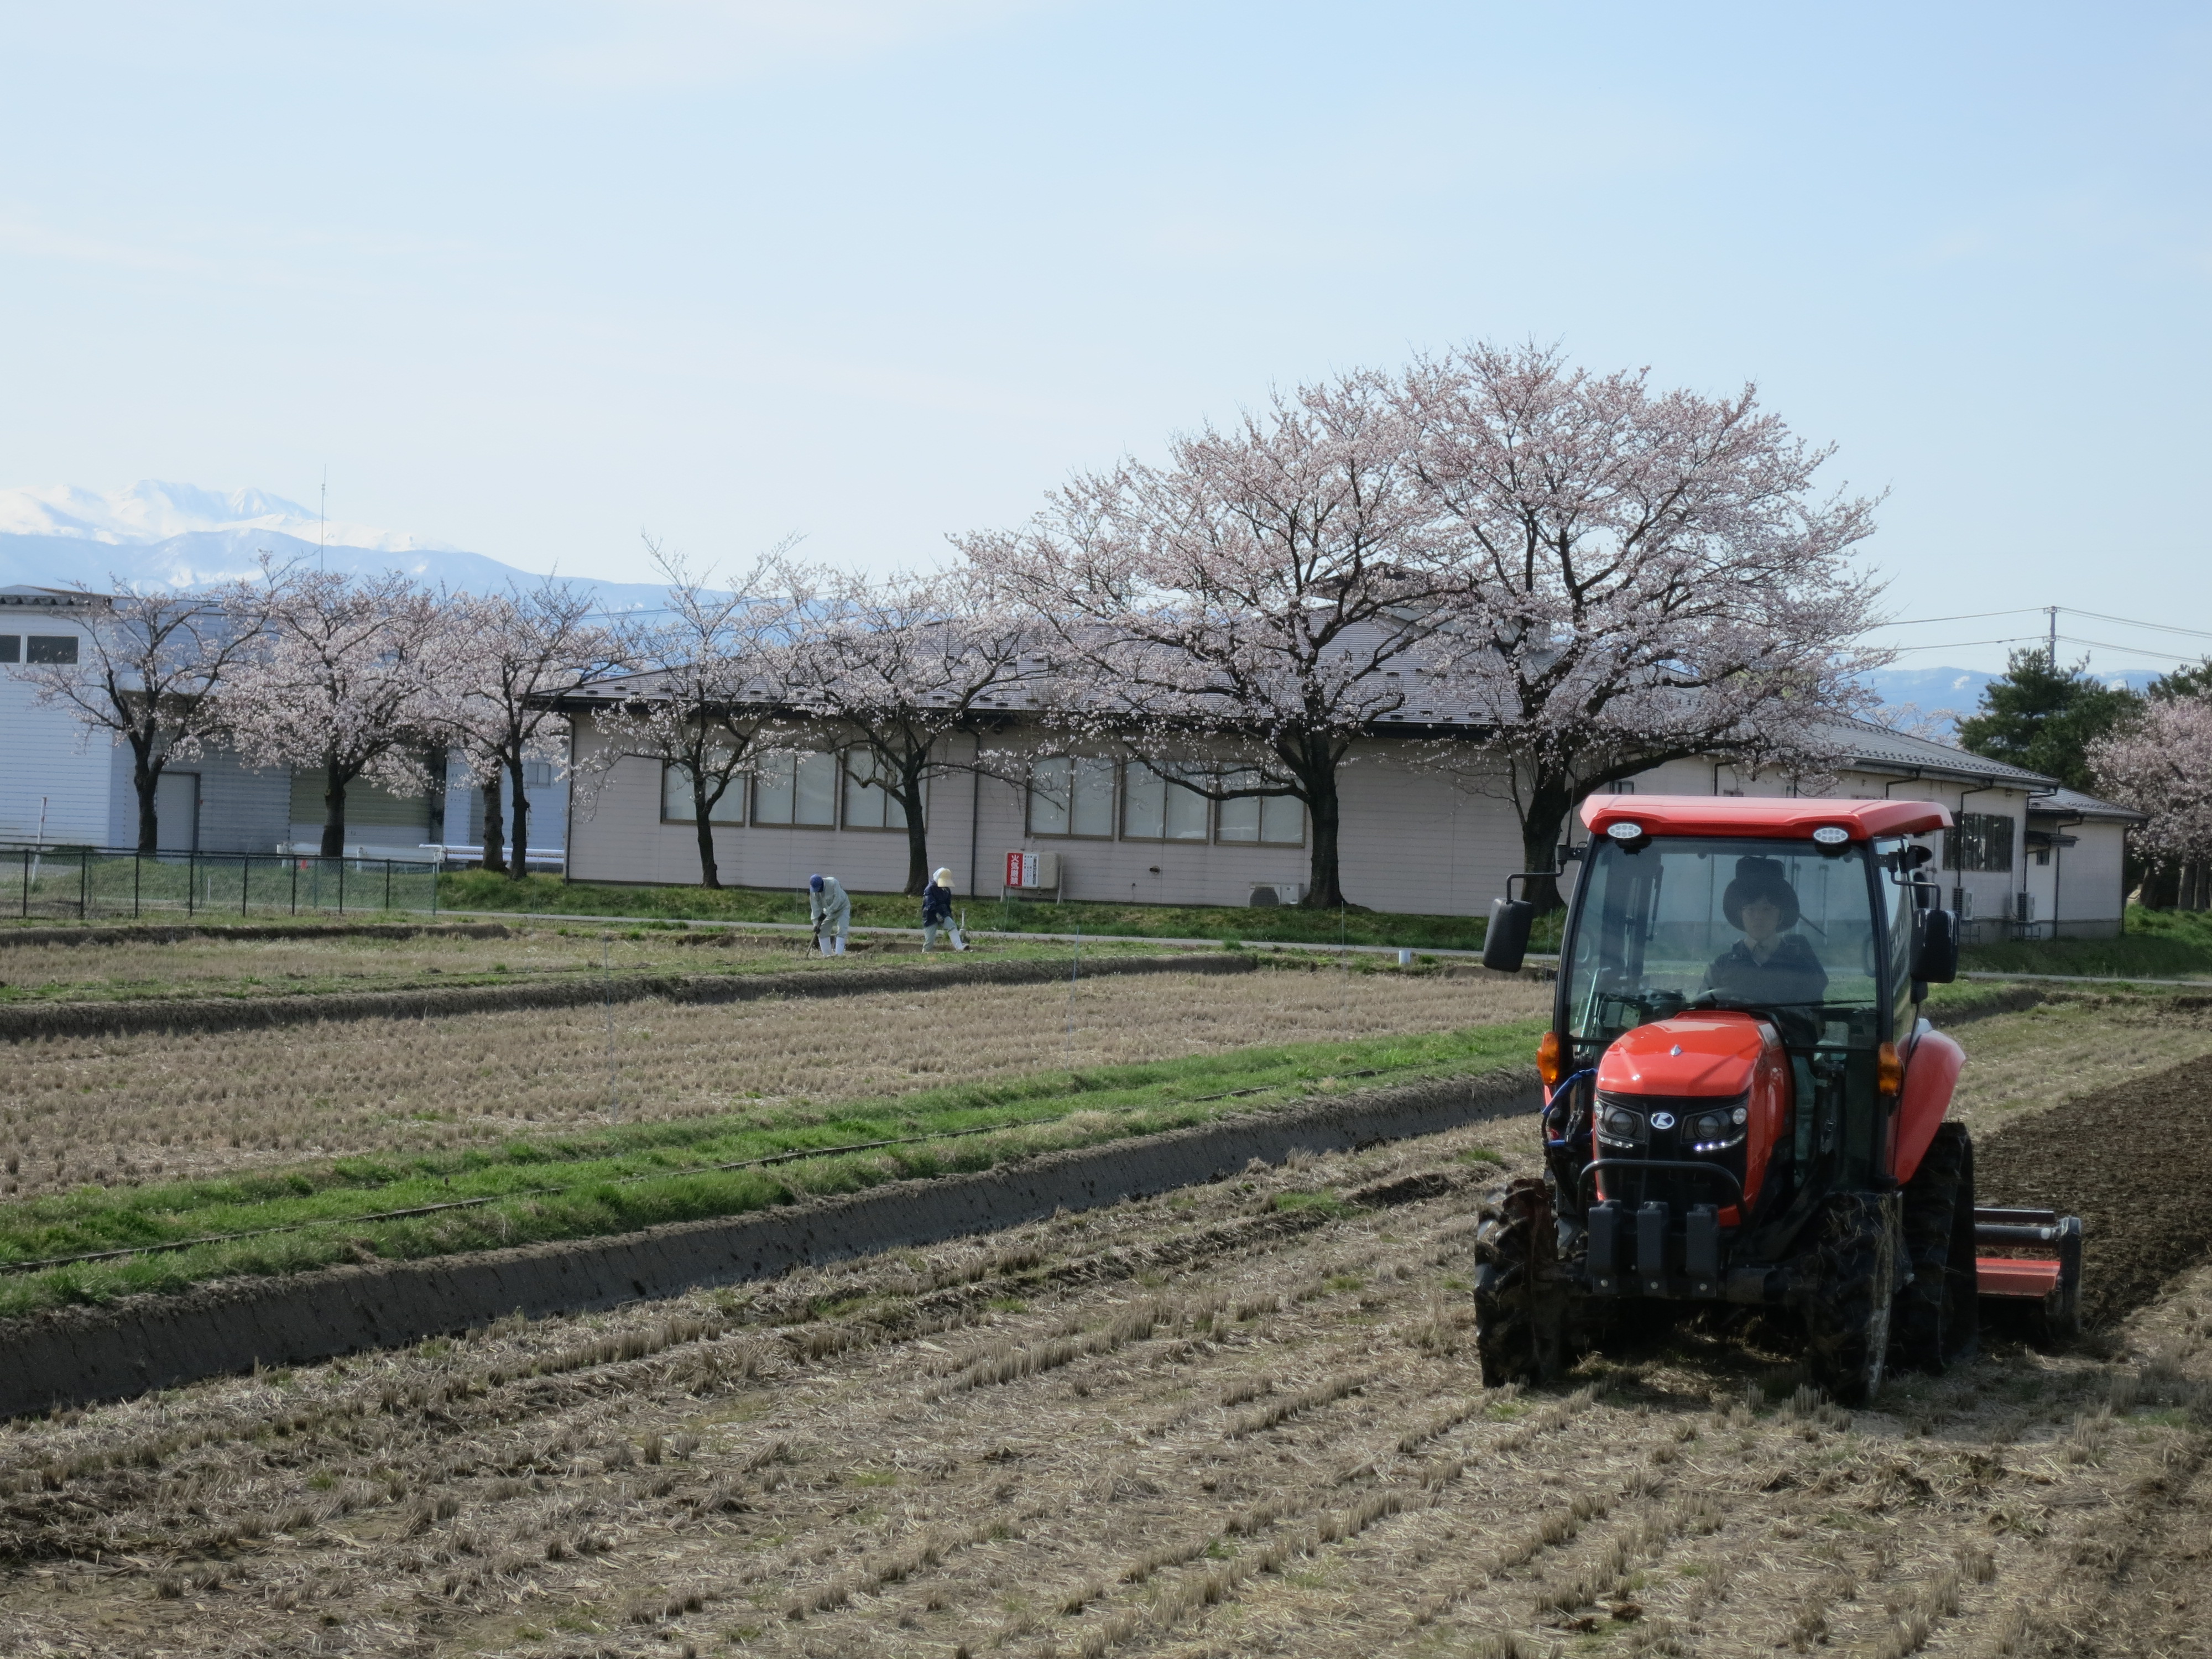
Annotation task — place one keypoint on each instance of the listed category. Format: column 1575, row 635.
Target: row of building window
column 1073, row 797
column 59, row 649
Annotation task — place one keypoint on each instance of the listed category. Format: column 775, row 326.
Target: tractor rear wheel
column 1520, row 1307
column 1937, row 1317
column 1850, row 1280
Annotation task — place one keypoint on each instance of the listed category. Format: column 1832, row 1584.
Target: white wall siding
column 47, row 759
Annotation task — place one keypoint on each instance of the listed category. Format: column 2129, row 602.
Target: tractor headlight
column 1619, row 1128
column 1720, row 1129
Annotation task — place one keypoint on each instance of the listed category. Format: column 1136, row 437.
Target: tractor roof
column 1792, row 817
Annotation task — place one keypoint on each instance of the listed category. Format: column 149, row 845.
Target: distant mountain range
column 1942, row 696
column 158, row 535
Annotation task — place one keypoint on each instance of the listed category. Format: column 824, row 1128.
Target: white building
column 63, row 784
column 1413, row 839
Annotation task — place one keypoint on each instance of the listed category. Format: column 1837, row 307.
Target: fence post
column 387, row 884
column 191, row 882
column 245, row 874
column 84, row 884
column 27, row 883
column 341, row 884
column 137, row 875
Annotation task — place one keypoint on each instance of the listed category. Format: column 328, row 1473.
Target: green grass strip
column 621, row 1178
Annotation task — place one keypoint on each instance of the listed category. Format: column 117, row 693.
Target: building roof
column 2063, row 803
column 1877, row 748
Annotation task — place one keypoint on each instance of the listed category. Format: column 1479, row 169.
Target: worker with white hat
column 830, row 907
column 936, row 912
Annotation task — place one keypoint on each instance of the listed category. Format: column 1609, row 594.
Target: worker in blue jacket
column 936, row 912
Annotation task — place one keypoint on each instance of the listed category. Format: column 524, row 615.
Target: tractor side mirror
column 1505, row 942
column 1936, row 959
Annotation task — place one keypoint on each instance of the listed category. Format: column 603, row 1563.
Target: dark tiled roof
column 2073, row 804
column 1877, row 747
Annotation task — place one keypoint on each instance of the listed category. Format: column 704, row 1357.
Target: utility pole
column 2053, row 610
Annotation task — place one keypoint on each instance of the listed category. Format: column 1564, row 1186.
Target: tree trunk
column 2161, row 885
column 710, row 874
column 494, row 825
column 1324, row 875
column 334, row 795
column 519, row 829
column 146, row 778
column 1543, row 818
column 917, row 837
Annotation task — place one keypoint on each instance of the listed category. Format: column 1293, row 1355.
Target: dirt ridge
column 78, row 1355
column 185, row 1015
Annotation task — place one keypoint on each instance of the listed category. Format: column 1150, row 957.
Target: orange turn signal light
column 1889, row 1071
column 1548, row 1067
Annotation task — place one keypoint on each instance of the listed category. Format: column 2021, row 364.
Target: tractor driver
column 1769, row 966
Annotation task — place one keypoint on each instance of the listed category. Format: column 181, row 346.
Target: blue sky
column 531, row 279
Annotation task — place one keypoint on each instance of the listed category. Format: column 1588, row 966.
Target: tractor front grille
column 1666, row 1129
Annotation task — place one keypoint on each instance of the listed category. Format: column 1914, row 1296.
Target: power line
column 2063, row 610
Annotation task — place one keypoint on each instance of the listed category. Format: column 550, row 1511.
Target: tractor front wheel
column 1520, row 1308
column 1938, row 1315
column 1851, row 1282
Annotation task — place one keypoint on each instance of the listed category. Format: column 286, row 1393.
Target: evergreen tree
column 2045, row 717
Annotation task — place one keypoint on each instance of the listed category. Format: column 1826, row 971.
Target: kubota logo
column 1663, row 1120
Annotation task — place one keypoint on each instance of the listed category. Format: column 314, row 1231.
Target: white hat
column 943, row 877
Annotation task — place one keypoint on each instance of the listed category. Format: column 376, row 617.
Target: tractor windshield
column 1725, row 922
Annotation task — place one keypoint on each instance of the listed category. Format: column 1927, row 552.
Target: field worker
column 936, row 912
column 830, row 910
column 1771, row 966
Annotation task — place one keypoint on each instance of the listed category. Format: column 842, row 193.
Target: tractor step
column 2050, row 1283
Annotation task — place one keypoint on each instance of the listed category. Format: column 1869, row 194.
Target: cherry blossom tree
column 706, row 696
column 2160, row 763
column 345, row 683
column 902, row 667
column 1243, row 614
column 1657, row 578
column 511, row 656
column 152, row 676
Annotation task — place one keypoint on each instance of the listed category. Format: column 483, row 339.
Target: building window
column 11, row 647
column 797, row 789
column 536, row 774
column 50, row 648
column 868, row 804
column 1072, row 795
column 1981, row 841
column 1155, row 806
column 1271, row 820
column 677, row 804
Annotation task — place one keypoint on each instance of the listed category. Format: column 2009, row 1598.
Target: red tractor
column 1743, row 1107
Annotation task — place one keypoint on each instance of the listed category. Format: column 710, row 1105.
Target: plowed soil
column 2134, row 1162
column 1243, row 1419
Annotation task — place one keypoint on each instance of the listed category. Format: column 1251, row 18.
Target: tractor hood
column 1691, row 1056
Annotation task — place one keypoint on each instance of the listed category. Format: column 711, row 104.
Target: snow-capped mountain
column 153, row 510
column 175, row 536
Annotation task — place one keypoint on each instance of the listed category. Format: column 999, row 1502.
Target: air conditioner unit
column 1031, row 871
column 1962, row 901
column 1277, row 892
column 2023, row 906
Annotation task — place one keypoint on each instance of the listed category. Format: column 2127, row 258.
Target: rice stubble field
column 1239, row 1419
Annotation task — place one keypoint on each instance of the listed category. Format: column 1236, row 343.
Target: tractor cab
column 1742, row 1103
